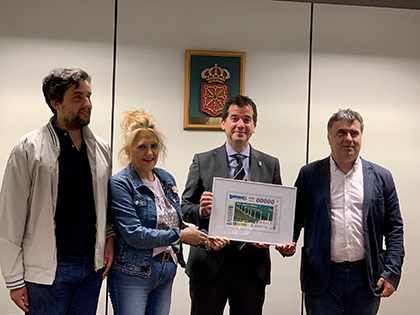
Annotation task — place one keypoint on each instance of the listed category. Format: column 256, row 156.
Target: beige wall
column 364, row 58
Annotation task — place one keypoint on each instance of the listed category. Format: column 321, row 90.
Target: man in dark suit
column 239, row 272
column 349, row 208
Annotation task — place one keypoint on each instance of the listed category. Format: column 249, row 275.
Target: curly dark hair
column 58, row 81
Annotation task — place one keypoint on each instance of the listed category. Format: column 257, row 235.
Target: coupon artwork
column 258, row 213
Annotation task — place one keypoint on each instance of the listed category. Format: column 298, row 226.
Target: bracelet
column 208, row 247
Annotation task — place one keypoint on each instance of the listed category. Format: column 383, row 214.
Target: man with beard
column 55, row 244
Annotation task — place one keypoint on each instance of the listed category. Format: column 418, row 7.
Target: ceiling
column 399, row 4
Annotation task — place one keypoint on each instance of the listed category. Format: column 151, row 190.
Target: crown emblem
column 215, row 74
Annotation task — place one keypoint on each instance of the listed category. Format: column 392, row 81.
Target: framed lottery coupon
column 252, row 212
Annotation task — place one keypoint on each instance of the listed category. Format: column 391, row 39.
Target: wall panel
column 150, row 74
column 368, row 59
column 36, row 36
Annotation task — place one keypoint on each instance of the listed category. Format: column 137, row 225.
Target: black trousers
column 237, row 283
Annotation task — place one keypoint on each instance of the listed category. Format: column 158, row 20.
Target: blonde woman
column 149, row 229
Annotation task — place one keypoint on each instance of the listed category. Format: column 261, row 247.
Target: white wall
column 36, row 36
column 150, row 74
column 364, row 58
column 368, row 59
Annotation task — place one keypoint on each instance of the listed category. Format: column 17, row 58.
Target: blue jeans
column 75, row 290
column 348, row 293
column 134, row 295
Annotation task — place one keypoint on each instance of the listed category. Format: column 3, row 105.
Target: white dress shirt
column 347, row 235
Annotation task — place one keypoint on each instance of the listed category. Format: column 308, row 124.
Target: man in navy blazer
column 236, row 273
column 348, row 208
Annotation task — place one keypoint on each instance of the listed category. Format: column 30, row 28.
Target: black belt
column 164, row 256
column 350, row 264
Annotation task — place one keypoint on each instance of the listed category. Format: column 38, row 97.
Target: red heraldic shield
column 213, row 96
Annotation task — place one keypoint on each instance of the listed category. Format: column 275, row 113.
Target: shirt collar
column 355, row 167
column 58, row 130
column 231, row 152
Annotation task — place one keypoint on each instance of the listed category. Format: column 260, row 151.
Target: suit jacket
column 381, row 218
column 203, row 266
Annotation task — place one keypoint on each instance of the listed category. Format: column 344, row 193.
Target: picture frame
column 254, row 212
column 227, row 69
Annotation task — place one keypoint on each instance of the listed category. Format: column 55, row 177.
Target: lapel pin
column 259, row 163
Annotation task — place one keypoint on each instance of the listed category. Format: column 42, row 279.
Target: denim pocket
column 140, row 205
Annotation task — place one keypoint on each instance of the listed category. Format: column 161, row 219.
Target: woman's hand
column 193, row 236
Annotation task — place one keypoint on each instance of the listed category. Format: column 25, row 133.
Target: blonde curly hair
column 134, row 121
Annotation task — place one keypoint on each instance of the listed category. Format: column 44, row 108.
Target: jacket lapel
column 367, row 187
column 324, row 177
column 221, row 162
column 255, row 164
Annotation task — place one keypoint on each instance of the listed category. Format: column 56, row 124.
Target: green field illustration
column 252, row 213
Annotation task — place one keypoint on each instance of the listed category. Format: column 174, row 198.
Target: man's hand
column 389, row 289
column 20, row 297
column 206, row 201
column 287, row 249
column 108, row 255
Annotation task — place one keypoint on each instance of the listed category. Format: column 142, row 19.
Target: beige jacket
column 28, row 203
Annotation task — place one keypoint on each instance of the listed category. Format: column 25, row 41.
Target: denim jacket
column 133, row 208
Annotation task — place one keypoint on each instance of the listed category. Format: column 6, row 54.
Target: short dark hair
column 241, row 101
column 58, row 81
column 346, row 114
